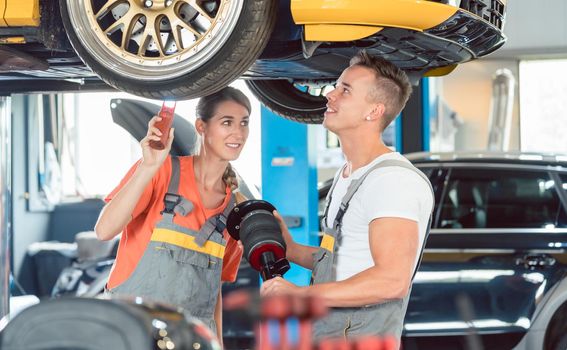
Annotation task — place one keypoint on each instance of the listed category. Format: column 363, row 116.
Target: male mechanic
column 377, row 214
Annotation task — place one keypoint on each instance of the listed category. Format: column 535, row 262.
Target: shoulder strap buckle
column 170, row 200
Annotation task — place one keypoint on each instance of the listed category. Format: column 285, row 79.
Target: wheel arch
column 550, row 312
column 557, row 323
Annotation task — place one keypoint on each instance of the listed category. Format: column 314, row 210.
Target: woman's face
column 226, row 132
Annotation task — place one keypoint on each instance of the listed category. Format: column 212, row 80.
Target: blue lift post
column 413, row 129
column 429, row 96
column 289, row 180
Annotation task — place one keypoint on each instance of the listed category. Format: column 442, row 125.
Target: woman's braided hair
column 230, row 179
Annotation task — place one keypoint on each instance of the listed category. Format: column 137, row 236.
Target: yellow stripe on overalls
column 328, row 242
column 187, row 242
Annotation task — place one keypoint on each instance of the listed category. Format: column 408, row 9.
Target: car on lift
column 289, row 50
column 494, row 269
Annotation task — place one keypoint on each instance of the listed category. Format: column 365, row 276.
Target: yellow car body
column 324, row 20
column 19, row 13
column 186, row 48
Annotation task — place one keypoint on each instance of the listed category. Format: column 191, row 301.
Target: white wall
column 535, row 28
column 468, row 91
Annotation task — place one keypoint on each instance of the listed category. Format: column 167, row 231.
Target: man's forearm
column 301, row 254
column 365, row 288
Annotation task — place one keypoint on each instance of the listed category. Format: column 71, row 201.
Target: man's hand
column 279, row 286
column 285, row 231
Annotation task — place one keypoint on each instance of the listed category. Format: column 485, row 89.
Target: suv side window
column 494, row 198
column 563, row 214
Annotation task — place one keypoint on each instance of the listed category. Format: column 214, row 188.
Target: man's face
column 348, row 105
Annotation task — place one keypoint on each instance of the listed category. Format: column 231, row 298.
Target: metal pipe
column 501, row 109
column 5, row 203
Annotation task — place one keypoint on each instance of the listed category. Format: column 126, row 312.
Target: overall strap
column 214, row 224
column 355, row 184
column 174, row 179
column 422, row 246
column 330, row 197
column 173, row 202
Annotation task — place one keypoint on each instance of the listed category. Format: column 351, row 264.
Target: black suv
column 493, row 275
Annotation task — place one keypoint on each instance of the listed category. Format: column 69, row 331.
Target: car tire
column 285, row 99
column 561, row 343
column 236, row 37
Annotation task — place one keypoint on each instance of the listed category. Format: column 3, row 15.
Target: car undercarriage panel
column 416, row 53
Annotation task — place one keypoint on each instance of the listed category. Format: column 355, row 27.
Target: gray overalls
column 181, row 266
column 379, row 319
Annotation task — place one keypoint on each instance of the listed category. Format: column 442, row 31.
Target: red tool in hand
column 166, row 113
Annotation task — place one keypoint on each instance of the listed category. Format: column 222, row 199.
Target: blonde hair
column 230, row 179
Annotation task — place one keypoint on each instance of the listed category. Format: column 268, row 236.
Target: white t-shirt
column 386, row 192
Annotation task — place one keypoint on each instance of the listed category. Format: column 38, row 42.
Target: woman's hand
column 154, row 157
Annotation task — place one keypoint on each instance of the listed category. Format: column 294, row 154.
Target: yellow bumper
column 345, row 20
column 19, row 13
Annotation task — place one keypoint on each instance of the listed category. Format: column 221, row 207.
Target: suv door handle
column 535, row 261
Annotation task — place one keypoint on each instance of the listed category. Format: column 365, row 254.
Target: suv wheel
column 168, row 48
column 561, row 343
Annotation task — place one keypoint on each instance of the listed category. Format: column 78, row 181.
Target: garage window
column 542, row 105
